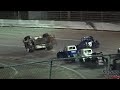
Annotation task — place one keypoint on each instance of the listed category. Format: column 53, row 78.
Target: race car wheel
column 97, row 44
column 60, row 55
column 31, row 50
column 81, row 61
column 72, row 60
column 87, row 60
column 49, row 47
column 27, row 50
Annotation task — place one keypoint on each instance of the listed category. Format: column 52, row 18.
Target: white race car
column 39, row 42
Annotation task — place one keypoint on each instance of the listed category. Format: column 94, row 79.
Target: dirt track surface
column 13, row 51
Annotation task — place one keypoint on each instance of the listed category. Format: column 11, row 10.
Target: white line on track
column 75, row 72
column 78, row 73
column 16, row 72
column 83, row 77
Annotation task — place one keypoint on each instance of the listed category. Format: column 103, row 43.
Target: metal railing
column 99, row 16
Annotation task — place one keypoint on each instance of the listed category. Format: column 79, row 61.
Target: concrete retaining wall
column 60, row 24
column 44, row 23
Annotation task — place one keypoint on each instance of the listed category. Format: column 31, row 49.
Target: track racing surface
column 12, row 52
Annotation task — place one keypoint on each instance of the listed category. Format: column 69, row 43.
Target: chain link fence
column 60, row 69
column 100, row 16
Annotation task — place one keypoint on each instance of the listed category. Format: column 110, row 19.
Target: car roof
column 71, row 46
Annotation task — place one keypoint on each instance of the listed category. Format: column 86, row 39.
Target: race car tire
column 72, row 60
column 31, row 50
column 60, row 55
column 87, row 60
column 81, row 61
column 97, row 44
column 49, row 47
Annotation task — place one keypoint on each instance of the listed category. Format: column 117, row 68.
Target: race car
column 88, row 42
column 84, row 55
column 39, row 42
column 69, row 51
column 46, row 41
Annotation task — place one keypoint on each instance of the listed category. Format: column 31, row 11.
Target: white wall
column 60, row 24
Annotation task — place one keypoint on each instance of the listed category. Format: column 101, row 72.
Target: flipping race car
column 46, row 41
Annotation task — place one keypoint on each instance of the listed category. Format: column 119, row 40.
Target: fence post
column 108, row 66
column 50, row 73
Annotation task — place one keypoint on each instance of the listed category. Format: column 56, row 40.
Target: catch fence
column 59, row 69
